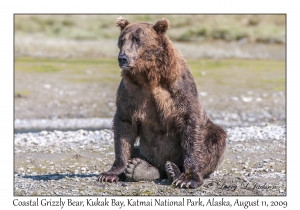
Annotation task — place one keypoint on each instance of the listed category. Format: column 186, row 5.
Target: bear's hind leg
column 215, row 142
column 140, row 170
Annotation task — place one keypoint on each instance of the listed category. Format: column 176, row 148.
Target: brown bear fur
column 157, row 102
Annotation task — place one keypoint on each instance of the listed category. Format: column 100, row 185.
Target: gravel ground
column 225, row 119
column 36, row 125
column 68, row 163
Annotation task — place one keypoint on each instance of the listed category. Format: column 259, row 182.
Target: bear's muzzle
column 123, row 60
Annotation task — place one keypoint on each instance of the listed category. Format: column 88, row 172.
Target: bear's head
column 142, row 45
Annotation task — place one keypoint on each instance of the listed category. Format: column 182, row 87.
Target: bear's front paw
column 108, row 177
column 172, row 170
column 187, row 181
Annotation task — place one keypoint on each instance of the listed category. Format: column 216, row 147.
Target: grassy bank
column 184, row 28
column 234, row 74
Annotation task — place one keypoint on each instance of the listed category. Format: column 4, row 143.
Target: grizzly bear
column 157, row 103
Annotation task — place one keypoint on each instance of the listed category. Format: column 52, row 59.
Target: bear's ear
column 121, row 22
column 161, row 26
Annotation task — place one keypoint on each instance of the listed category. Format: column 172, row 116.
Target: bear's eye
column 121, row 42
column 136, row 40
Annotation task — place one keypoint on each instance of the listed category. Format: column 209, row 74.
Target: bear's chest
column 155, row 108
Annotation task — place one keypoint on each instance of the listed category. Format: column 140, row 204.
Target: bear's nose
column 123, row 59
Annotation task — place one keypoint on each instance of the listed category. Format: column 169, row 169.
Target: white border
column 154, row 6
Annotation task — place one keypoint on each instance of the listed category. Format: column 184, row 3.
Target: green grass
column 76, row 66
column 21, row 93
column 37, row 65
column 235, row 74
column 239, row 74
column 257, row 28
column 73, row 70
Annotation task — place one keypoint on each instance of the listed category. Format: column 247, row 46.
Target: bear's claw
column 108, row 178
column 186, row 183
